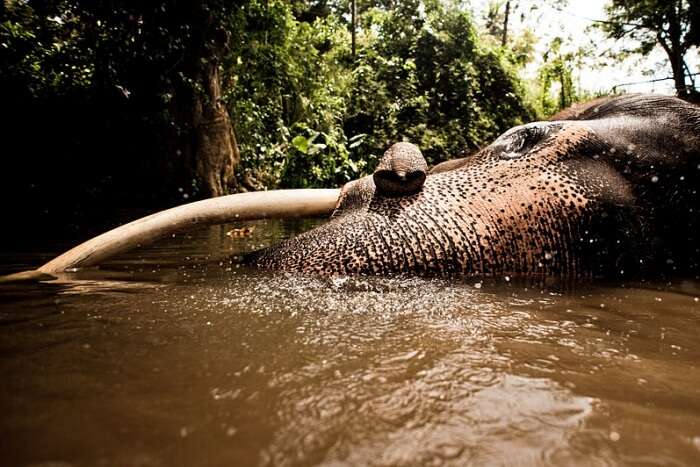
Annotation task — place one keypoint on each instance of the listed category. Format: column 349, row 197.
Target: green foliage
column 42, row 55
column 672, row 25
column 557, row 68
column 93, row 89
column 651, row 22
column 425, row 77
column 305, row 112
column 307, row 115
column 288, row 92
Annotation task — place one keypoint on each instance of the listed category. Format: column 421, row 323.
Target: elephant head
column 605, row 188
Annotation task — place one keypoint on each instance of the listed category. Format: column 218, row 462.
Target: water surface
column 174, row 355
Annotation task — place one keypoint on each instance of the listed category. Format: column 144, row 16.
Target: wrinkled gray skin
column 607, row 188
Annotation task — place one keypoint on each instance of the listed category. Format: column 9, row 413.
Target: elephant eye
column 518, row 142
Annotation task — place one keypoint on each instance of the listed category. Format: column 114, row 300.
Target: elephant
column 607, row 188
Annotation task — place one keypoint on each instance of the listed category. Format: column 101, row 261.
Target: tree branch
column 664, row 44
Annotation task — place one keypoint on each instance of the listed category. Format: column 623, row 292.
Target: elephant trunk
column 237, row 207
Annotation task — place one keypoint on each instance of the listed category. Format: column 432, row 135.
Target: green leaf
column 301, row 144
column 359, row 136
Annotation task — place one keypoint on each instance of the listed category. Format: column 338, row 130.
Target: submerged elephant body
column 609, row 190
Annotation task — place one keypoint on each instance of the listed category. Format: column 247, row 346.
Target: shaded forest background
column 111, row 104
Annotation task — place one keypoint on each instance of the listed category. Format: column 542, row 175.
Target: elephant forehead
column 560, row 168
column 505, row 181
column 458, row 210
column 488, row 167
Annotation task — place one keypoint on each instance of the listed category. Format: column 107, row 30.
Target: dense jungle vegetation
column 117, row 103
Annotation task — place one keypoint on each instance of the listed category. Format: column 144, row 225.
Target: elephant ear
column 654, row 143
column 648, row 137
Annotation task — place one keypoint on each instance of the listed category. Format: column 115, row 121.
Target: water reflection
column 163, row 360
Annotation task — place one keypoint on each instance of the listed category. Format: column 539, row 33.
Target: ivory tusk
column 241, row 206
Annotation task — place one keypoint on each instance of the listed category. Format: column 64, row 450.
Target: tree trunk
column 504, row 37
column 215, row 149
column 206, row 147
column 675, row 52
column 677, row 66
column 353, row 25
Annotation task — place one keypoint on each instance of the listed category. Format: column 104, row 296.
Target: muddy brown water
column 170, row 357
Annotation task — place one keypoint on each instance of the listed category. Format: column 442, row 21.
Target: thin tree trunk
column 504, row 37
column 675, row 52
column 677, row 66
column 353, row 25
column 562, row 91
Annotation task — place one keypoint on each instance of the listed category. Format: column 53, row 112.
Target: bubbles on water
column 220, row 394
column 339, row 281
